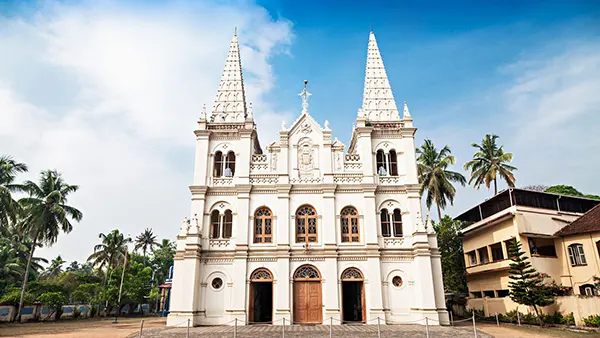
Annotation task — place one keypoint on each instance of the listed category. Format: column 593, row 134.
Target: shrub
column 592, row 321
column 13, row 296
column 93, row 311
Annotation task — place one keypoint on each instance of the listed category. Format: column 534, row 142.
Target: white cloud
column 109, row 95
column 546, row 113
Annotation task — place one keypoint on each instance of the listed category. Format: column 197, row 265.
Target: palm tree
column 489, row 162
column 8, row 173
column 110, row 252
column 434, row 176
column 145, row 241
column 10, row 267
column 55, row 267
column 46, row 213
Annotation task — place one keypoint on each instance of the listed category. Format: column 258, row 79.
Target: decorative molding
column 222, row 181
column 264, row 179
column 259, row 158
column 352, row 258
column 262, row 259
column 402, row 258
column 218, row 243
column 217, row 260
column 305, row 180
column 348, row 178
column 307, row 258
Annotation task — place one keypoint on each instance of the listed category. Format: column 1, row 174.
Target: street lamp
column 122, row 276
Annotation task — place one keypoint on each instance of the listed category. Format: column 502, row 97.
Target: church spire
column 230, row 103
column 378, row 100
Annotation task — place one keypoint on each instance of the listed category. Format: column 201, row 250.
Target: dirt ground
column 88, row 328
column 510, row 331
column 104, row 328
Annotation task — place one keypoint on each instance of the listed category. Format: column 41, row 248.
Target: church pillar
column 240, row 288
column 201, row 164
column 186, row 276
column 370, row 223
column 283, row 239
column 438, row 283
column 425, row 304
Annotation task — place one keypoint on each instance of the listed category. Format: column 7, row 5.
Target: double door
column 308, row 302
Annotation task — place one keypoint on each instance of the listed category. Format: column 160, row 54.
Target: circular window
column 397, row 281
column 217, row 283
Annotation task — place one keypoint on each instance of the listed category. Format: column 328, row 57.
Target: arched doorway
column 260, row 309
column 353, row 296
column 307, row 296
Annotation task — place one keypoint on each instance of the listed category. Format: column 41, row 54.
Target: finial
column 326, row 124
column 371, row 28
column 406, row 111
column 304, row 95
column 249, row 111
column 283, row 126
column 234, row 31
column 203, row 113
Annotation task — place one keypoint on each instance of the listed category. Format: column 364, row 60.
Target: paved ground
column 317, row 331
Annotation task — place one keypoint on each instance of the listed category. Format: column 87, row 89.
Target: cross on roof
column 304, row 94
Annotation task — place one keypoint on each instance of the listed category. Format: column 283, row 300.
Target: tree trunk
column 25, row 278
column 144, row 257
column 439, row 213
column 495, row 187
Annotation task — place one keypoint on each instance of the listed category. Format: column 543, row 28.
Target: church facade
column 308, row 229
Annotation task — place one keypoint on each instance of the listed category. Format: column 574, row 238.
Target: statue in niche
column 305, row 159
column 338, row 161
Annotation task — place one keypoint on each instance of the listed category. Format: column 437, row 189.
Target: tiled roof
column 588, row 222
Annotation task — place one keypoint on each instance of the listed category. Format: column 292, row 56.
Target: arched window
column 218, row 171
column 349, row 221
column 306, row 224
column 227, row 224
column 385, row 223
column 387, row 163
column 381, row 163
column 263, row 221
column 576, row 255
column 221, row 224
column 397, row 220
column 215, row 222
column 306, row 272
column 230, row 164
column 393, row 163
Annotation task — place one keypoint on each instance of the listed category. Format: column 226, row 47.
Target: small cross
column 304, row 95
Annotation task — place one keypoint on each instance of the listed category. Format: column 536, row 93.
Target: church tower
column 305, row 233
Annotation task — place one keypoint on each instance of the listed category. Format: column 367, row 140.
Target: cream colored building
column 305, row 230
column 535, row 219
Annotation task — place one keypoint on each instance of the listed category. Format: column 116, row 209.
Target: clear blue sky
column 434, row 51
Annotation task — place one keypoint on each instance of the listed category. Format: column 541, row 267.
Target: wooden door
column 308, row 302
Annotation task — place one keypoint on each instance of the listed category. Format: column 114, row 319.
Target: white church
column 306, row 230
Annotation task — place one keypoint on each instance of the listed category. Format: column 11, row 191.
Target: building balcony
column 498, row 265
column 222, row 181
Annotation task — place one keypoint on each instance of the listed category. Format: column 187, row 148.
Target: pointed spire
column 406, row 112
column 230, row 103
column 378, row 100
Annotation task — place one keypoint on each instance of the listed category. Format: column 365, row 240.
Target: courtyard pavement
column 315, row 331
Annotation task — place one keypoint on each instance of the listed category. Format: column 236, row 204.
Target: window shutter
column 571, row 256
column 581, row 255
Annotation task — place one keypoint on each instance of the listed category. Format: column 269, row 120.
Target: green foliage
column 9, row 208
column 76, row 312
column 162, row 260
column 527, row 286
column 146, row 241
column 12, row 296
column 451, row 250
column 569, row 191
column 434, row 176
column 592, row 321
column 489, row 162
column 52, row 299
column 86, row 293
column 564, row 190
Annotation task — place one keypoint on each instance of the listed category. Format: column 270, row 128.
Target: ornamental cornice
column 201, row 132
column 198, row 189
